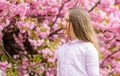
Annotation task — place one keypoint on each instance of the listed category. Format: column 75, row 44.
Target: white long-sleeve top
column 77, row 58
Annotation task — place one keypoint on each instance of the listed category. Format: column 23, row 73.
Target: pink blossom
column 36, row 42
column 55, row 27
column 43, row 34
column 24, row 63
column 97, row 17
column 107, row 3
column 51, row 60
column 4, row 5
column 117, row 67
column 21, row 9
column 46, row 52
column 104, row 72
column 16, row 56
column 42, row 68
column 117, row 1
column 108, row 35
column 2, row 73
column 19, row 40
column 4, row 65
column 21, row 71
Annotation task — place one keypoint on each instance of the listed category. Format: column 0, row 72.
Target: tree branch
column 108, row 40
column 101, row 65
column 94, row 6
column 60, row 11
column 55, row 32
column 6, row 53
column 76, row 4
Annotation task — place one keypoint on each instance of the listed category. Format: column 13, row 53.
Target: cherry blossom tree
column 31, row 32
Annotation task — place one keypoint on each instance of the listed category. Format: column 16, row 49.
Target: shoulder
column 79, row 47
column 88, row 45
column 90, row 48
column 84, row 47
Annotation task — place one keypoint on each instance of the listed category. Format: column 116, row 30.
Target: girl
column 79, row 56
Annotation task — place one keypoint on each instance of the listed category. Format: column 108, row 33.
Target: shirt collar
column 73, row 41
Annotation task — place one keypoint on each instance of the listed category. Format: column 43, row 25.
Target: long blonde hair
column 81, row 24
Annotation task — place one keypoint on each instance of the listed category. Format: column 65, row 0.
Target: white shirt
column 77, row 58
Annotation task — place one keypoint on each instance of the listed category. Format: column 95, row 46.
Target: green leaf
column 3, row 58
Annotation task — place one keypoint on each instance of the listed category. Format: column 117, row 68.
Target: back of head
column 81, row 24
